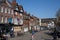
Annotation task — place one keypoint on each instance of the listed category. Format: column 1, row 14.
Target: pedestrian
column 33, row 32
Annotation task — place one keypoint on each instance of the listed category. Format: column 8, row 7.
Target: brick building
column 11, row 12
column 46, row 21
column 26, row 18
column 34, row 22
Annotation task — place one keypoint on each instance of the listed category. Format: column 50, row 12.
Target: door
column 25, row 29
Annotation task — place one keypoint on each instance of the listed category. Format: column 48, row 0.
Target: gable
column 8, row 3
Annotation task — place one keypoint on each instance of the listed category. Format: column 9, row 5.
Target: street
column 37, row 36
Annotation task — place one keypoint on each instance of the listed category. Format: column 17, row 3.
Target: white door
column 38, row 28
column 35, row 27
column 26, row 29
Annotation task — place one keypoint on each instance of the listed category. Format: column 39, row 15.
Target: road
column 37, row 36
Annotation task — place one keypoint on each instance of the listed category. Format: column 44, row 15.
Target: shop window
column 16, row 9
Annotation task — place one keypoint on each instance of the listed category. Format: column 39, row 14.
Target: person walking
column 33, row 32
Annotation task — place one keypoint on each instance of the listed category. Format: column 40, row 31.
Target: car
column 58, row 31
column 43, row 28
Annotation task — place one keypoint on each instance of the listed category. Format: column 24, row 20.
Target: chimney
column 14, row 1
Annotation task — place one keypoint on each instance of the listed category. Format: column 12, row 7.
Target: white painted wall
column 26, row 29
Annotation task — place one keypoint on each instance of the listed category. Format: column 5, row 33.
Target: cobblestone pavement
column 38, row 36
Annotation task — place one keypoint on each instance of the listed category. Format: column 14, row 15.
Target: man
column 33, row 32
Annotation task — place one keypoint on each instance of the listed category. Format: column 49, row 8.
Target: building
column 46, row 21
column 34, row 22
column 11, row 12
column 18, row 18
column 26, row 18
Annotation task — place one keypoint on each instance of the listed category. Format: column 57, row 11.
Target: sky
column 41, row 8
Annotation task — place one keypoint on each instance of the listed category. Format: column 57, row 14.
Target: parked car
column 20, row 33
column 55, row 32
column 43, row 28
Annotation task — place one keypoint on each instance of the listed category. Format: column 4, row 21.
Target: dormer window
column 21, row 10
column 16, row 8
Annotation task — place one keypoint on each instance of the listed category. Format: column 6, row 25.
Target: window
column 8, row 11
column 5, row 19
column 21, row 14
column 16, row 8
column 20, row 21
column 2, row 9
column 9, row 20
column 11, row 11
column 16, row 13
column 5, row 10
column 21, row 10
column 15, row 21
column 2, row 20
column 12, row 20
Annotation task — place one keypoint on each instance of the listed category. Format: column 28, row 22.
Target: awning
column 18, row 25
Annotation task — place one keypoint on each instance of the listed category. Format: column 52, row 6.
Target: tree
column 58, row 13
column 58, row 18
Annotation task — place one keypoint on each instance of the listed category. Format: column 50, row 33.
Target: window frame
column 6, row 10
column 2, row 9
column 9, row 10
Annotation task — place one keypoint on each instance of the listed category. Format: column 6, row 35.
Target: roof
column 48, row 20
